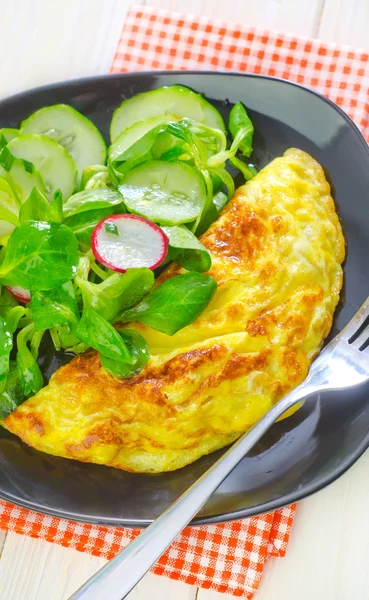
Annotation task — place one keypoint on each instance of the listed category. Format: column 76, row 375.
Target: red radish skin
column 20, row 293
column 148, row 245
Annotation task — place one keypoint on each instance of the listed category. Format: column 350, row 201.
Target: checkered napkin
column 230, row 557
column 156, row 39
column 227, row 558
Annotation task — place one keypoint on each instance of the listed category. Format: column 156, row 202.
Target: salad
column 83, row 228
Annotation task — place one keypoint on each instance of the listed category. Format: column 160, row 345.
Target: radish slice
column 20, row 293
column 122, row 242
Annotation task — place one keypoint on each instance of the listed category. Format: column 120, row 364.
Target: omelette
column 276, row 252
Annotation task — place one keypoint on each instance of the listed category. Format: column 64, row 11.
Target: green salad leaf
column 141, row 151
column 168, row 141
column 82, row 224
column 91, row 200
column 7, row 301
column 186, row 250
column 248, row 171
column 174, row 304
column 12, row 396
column 139, row 352
column 217, row 201
column 3, row 141
column 111, row 228
column 98, row 333
column 168, row 147
column 172, row 154
column 217, row 182
column 14, row 316
column 196, row 147
column 6, row 346
column 95, row 176
column 63, row 337
column 40, row 256
column 35, row 208
column 31, row 378
column 226, row 178
column 9, row 209
column 56, row 207
column 117, row 292
column 207, row 218
column 241, row 128
column 55, row 307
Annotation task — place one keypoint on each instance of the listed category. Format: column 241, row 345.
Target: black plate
column 299, row 455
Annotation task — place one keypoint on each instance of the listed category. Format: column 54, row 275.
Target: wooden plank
column 301, row 17
column 328, row 552
column 2, row 540
column 345, row 22
column 153, row 587
column 45, row 41
column 36, row 570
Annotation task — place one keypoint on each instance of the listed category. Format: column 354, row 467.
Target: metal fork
column 343, row 364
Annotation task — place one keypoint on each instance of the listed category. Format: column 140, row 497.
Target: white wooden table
column 49, row 40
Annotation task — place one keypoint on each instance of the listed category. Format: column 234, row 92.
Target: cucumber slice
column 71, row 129
column 57, row 168
column 167, row 193
column 175, row 100
column 9, row 133
column 21, row 175
column 129, row 136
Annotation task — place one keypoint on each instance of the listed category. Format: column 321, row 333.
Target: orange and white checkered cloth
column 229, row 557
column 156, row 39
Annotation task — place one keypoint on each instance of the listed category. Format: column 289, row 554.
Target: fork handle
column 117, row 578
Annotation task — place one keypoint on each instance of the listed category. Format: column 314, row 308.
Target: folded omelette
column 276, row 251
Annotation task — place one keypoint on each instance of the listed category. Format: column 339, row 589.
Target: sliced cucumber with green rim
column 71, row 129
column 57, row 168
column 21, row 175
column 129, row 136
column 9, row 133
column 173, row 100
column 167, row 193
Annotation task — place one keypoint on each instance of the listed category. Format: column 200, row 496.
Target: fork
column 343, row 364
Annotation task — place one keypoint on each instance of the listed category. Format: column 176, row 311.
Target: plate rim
column 227, row 516
column 178, row 72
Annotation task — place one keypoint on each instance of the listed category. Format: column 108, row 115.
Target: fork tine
column 356, row 322
column 360, row 341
